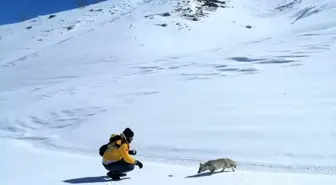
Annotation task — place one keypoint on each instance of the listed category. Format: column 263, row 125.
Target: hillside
column 195, row 80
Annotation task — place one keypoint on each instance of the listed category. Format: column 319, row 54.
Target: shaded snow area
column 195, row 79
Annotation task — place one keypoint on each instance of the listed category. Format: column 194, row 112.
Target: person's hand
column 138, row 163
column 132, row 152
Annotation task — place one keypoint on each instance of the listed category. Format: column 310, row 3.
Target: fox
column 213, row 165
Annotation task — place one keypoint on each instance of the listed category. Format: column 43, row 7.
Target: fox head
column 201, row 168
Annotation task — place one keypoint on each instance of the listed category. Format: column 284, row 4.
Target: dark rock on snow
column 51, row 16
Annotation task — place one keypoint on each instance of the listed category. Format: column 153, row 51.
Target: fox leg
column 222, row 169
column 233, row 169
column 212, row 169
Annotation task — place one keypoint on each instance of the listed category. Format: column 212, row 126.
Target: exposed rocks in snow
column 193, row 9
column 166, row 14
column 210, row 4
column 51, row 16
column 149, row 16
column 199, row 8
column 98, row 10
column 28, row 27
column 70, row 27
column 213, row 3
column 164, row 25
column 110, row 11
column 248, row 26
column 182, row 26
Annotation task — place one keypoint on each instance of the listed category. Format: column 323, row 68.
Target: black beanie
column 128, row 132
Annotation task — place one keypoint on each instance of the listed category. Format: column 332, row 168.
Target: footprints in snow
column 218, row 71
column 262, row 61
column 18, row 60
column 64, row 119
column 204, row 71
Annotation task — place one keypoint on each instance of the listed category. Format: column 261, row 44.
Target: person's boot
column 122, row 174
column 109, row 173
column 115, row 176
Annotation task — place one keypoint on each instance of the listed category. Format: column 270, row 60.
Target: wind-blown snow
column 191, row 91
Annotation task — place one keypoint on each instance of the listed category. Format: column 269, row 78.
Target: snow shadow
column 84, row 180
column 246, row 59
column 204, row 174
column 288, row 5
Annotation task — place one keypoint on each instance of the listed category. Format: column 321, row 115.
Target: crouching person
column 116, row 158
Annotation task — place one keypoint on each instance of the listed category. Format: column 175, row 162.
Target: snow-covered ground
column 39, row 166
column 253, row 82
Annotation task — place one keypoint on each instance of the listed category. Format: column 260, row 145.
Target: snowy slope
column 191, row 90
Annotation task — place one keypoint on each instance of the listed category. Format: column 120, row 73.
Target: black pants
column 119, row 167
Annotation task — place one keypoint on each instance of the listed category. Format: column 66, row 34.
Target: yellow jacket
column 113, row 153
